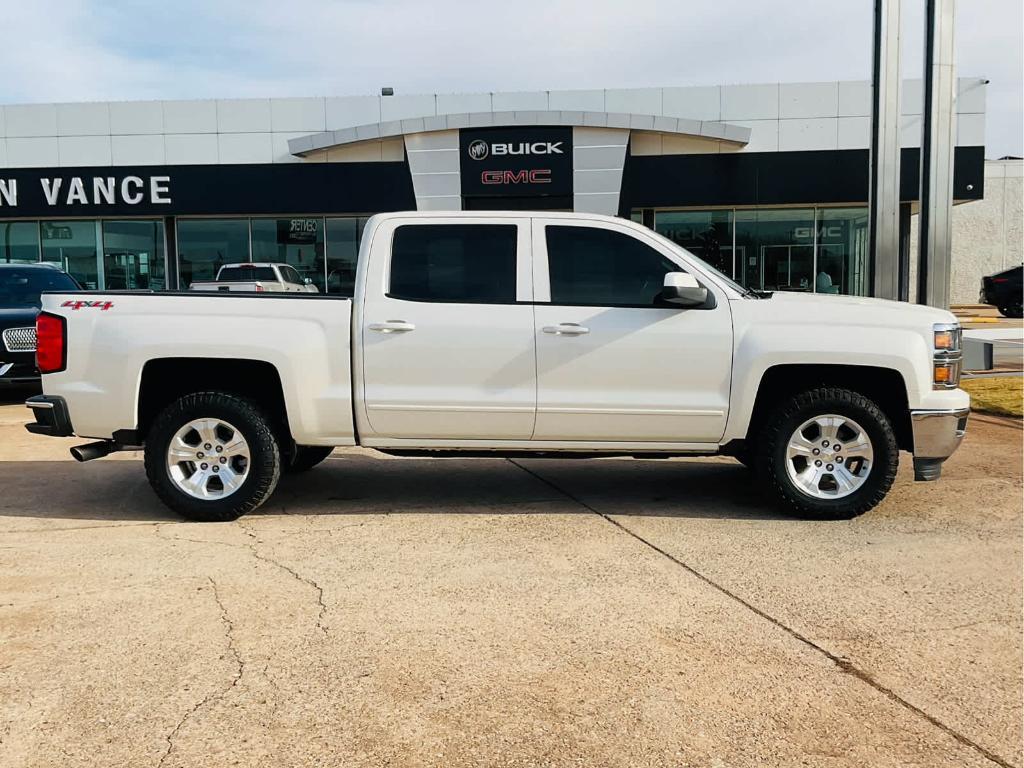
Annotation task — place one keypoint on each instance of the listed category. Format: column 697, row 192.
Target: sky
column 77, row 50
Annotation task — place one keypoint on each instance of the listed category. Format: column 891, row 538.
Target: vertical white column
column 884, row 190
column 938, row 140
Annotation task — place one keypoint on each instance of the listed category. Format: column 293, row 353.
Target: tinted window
column 21, row 287
column 247, row 274
column 469, row 263
column 290, row 275
column 603, row 268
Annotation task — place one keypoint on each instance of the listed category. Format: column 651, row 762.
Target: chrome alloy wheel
column 208, row 459
column 829, row 456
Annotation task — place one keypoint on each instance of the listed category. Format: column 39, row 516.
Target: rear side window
column 246, row 274
column 464, row 263
column 601, row 267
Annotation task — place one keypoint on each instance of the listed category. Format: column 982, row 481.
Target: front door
column 447, row 350
column 614, row 363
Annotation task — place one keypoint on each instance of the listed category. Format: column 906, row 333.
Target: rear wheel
column 305, row 457
column 828, row 453
column 212, row 457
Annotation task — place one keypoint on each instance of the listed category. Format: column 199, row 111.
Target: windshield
column 21, row 287
column 704, row 265
column 246, row 274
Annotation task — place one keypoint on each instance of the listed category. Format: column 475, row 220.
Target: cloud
column 74, row 50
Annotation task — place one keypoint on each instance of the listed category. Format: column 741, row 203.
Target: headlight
column 946, row 355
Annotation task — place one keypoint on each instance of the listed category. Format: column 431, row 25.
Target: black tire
column 784, row 421
column 305, row 457
column 264, row 467
column 1016, row 310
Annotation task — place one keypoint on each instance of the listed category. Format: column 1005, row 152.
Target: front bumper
column 937, row 435
column 51, row 414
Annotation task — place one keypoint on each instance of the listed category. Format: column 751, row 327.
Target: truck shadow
column 117, row 490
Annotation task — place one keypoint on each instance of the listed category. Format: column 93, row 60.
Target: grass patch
column 1002, row 395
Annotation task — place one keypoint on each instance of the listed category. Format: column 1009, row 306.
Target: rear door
column 614, row 363
column 446, row 326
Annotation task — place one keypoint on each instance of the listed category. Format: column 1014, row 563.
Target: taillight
column 51, row 343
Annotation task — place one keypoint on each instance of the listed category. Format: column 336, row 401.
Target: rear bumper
column 51, row 416
column 937, row 435
column 18, row 373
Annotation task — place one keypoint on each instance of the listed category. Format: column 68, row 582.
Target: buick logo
column 478, row 149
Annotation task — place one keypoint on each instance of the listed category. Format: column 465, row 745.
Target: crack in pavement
column 844, row 665
column 229, row 632
column 254, row 540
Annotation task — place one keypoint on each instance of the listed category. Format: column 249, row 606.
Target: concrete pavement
column 491, row 612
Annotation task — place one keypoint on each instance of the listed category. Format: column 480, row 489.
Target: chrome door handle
column 566, row 329
column 393, row 326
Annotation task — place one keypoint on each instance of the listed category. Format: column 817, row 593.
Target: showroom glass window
column 19, row 242
column 74, row 247
column 602, row 267
column 133, row 255
column 205, row 245
column 843, row 265
column 463, row 263
column 776, row 249
column 705, row 234
column 343, row 239
column 298, row 242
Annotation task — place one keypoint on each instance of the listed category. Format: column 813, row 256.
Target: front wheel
column 212, row 457
column 828, row 453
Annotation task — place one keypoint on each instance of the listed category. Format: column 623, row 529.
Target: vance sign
column 71, row 191
column 515, row 162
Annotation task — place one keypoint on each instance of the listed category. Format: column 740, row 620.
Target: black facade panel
column 779, row 178
column 287, row 188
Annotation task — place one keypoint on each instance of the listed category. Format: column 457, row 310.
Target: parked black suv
column 20, row 288
column 1005, row 291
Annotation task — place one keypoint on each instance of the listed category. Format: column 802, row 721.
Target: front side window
column 601, row 267
column 21, row 287
column 463, row 263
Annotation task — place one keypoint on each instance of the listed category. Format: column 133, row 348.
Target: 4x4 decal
column 101, row 305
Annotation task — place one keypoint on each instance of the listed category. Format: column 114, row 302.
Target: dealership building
column 769, row 183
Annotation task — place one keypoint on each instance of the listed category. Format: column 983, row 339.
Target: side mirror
column 682, row 288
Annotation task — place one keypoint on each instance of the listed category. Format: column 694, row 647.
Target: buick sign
column 516, row 161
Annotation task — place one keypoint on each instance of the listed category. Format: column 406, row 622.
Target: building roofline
column 705, row 129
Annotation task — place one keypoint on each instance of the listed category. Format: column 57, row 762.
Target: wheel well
column 166, row 379
column 884, row 386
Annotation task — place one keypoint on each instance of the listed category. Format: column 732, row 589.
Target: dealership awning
column 718, row 131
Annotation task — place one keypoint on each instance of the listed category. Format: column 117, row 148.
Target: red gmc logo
column 538, row 176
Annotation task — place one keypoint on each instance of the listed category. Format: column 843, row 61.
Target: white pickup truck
column 257, row 277
column 538, row 334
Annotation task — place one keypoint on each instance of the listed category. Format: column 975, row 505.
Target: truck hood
column 830, row 309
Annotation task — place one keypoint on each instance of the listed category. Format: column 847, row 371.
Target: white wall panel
column 401, row 107
column 764, row 135
column 349, row 111
column 31, row 120
column 750, row 102
column 854, row 132
column 808, row 100
column 85, row 119
column 243, row 116
column 452, row 103
column 639, row 101
column 134, row 118
column 83, row 150
column 854, row 99
column 813, row 133
column 305, row 115
column 198, row 116
column 698, row 103
column 577, row 101
column 190, row 148
column 519, row 101
column 38, row 152
column 137, row 150
column 244, row 148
